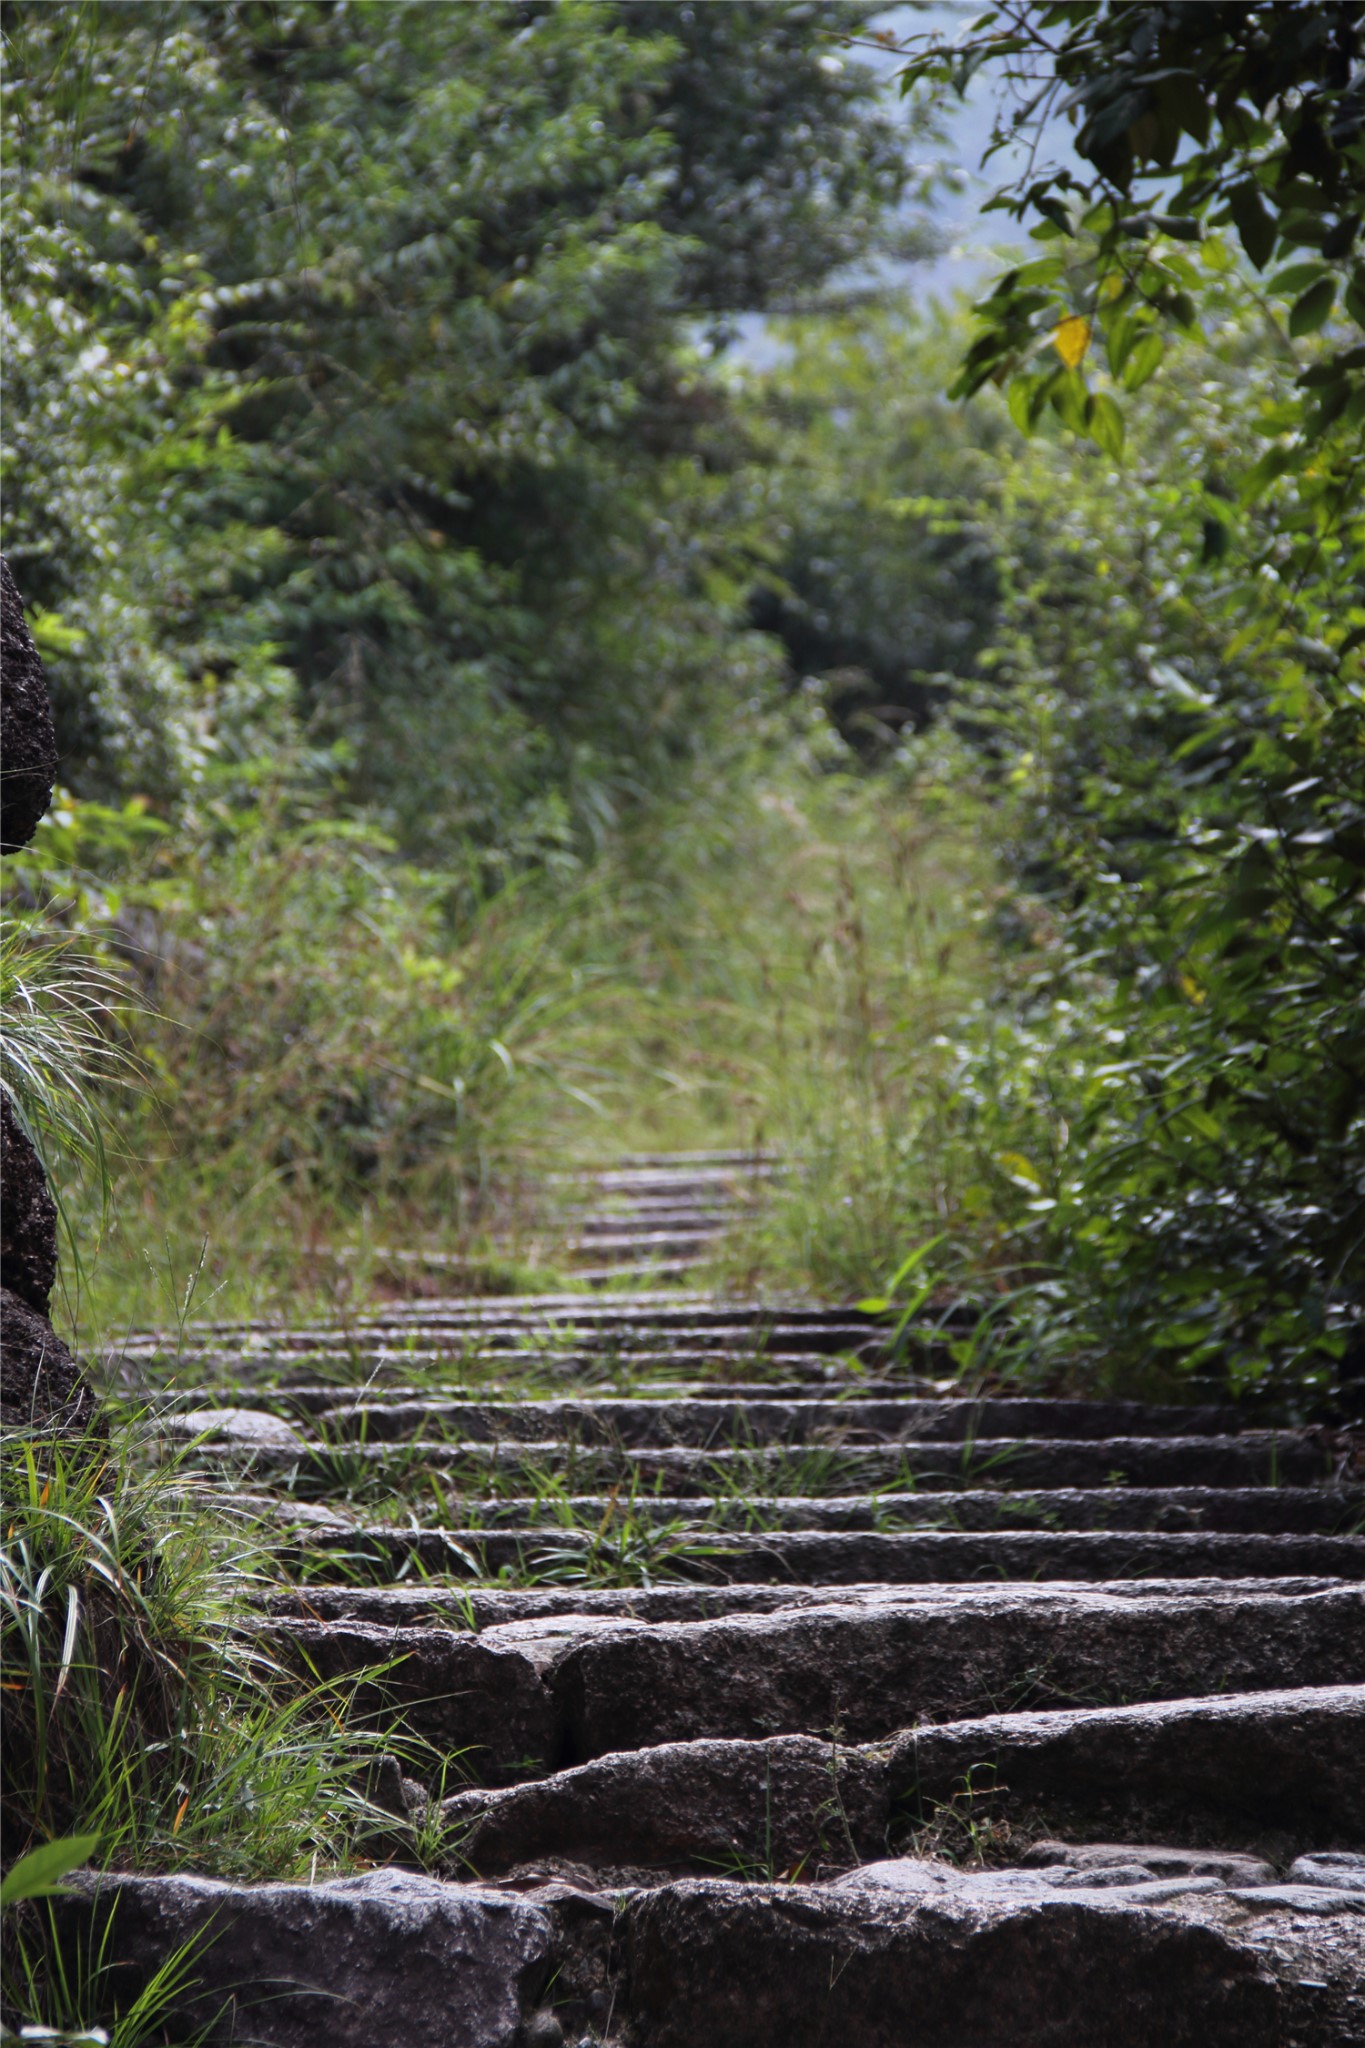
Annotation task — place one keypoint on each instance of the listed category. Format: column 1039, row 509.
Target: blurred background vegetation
column 504, row 721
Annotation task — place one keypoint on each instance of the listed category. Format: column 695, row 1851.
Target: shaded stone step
column 570, row 1688
column 725, row 1421
column 1248, row 1460
column 740, row 1966
column 477, row 1607
column 653, row 1309
column 978, row 1960
column 1264, row 1510
column 645, row 1244
column 654, row 1230
column 315, row 1397
column 376, row 1961
column 658, row 1212
column 821, row 1806
column 1288, row 1760
column 413, row 1333
column 838, row 1557
column 630, row 1269
column 823, row 1467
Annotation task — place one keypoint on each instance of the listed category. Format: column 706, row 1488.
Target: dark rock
column 872, row 1669
column 1286, row 1760
column 240, row 1429
column 42, row 1386
column 1158, row 1859
column 922, row 1877
column 484, row 1607
column 567, row 1689
column 387, row 1958
column 1342, row 1868
column 721, row 1420
column 457, row 1692
column 741, row 1807
column 28, row 747
column 750, row 1966
column 28, row 1215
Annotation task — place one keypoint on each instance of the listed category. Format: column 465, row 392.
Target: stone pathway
column 787, row 1695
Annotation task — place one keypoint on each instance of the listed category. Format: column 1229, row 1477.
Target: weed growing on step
column 64, row 1990
column 139, row 1707
column 966, row 1828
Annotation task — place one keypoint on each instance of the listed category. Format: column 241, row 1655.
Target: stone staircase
column 776, row 1689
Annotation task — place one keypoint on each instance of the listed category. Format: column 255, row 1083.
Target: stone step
column 572, row 1687
column 747, row 1966
column 723, row 1420
column 1228, row 1769
column 645, row 1245
column 410, row 1332
column 385, row 1960
column 823, row 1467
column 1009, row 1959
column 630, row 1162
column 629, row 1269
column 840, row 1557
column 654, row 1311
column 659, row 1209
column 1265, row 1510
column 475, row 1607
column 691, row 1176
column 315, row 1397
column 1287, row 1760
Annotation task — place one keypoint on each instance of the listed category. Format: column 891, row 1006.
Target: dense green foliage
column 381, row 316
column 1183, row 717
column 498, row 725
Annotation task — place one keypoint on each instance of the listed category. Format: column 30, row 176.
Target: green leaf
column 1262, row 474
column 37, row 1875
column 1068, row 395
column 1143, row 361
column 1104, row 423
column 1019, row 399
column 1254, row 224
column 916, row 1257
column 1309, row 312
column 1295, row 277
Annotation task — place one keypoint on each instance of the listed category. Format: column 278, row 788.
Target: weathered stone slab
column 720, row 1420
column 748, row 1966
column 743, row 1808
column 481, row 1607
column 1343, row 1868
column 247, row 1429
column 573, row 1689
column 1261, row 1510
column 811, row 1807
column 1159, row 1859
column 482, row 1698
column 388, row 1958
column 836, row 1558
column 867, row 1673
column 1287, row 1759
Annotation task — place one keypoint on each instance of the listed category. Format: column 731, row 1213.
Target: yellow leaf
column 1071, row 339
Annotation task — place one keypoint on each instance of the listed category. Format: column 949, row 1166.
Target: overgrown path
column 772, row 1688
